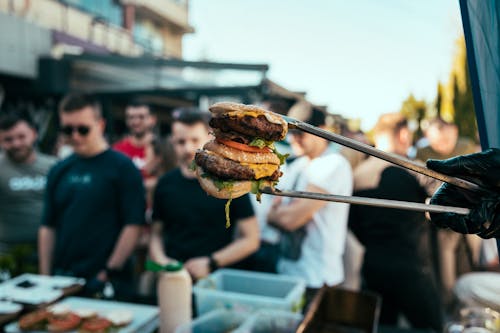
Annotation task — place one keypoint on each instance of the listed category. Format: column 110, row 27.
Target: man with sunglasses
column 23, row 173
column 94, row 206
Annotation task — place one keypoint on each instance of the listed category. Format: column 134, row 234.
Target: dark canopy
column 482, row 36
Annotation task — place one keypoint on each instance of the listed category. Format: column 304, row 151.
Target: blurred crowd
column 100, row 209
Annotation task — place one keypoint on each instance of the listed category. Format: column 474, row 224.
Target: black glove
column 483, row 169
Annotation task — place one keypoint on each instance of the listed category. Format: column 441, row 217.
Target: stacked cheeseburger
column 242, row 157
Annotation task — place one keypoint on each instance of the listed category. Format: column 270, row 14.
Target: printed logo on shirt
column 81, row 179
column 27, row 183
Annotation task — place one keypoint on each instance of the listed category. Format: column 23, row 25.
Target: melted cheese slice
column 262, row 170
column 247, row 113
column 255, row 114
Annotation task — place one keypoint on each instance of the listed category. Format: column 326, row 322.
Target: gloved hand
column 483, row 169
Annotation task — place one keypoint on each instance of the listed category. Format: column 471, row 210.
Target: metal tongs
column 389, row 157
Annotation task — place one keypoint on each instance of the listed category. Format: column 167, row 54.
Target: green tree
column 463, row 105
column 439, row 99
column 414, row 110
column 456, row 102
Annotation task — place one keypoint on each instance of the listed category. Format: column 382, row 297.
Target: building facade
column 126, row 27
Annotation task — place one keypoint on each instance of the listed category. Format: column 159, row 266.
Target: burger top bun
column 85, row 313
column 238, row 189
column 120, row 317
column 59, row 309
column 223, row 108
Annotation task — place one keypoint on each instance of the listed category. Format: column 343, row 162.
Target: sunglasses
column 81, row 129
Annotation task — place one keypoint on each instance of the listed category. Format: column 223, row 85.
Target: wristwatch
column 212, row 264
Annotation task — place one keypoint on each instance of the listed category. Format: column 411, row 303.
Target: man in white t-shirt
column 323, row 225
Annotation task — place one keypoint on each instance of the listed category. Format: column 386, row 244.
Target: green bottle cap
column 173, row 266
column 153, row 266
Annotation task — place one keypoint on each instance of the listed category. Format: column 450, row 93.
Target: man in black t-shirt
column 394, row 265
column 94, row 205
column 188, row 224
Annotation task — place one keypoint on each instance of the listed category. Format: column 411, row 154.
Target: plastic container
column 271, row 321
column 216, row 321
column 174, row 289
column 248, row 291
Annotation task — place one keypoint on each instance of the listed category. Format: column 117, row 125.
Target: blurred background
column 351, row 61
column 354, row 60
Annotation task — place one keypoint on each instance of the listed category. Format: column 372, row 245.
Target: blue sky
column 361, row 58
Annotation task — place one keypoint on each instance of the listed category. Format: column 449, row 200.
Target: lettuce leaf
column 226, row 208
column 282, row 157
column 223, row 184
column 257, row 185
column 192, row 166
column 261, row 143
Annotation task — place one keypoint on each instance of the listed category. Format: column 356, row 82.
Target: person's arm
column 328, row 175
column 46, row 241
column 48, row 229
column 124, row 246
column 297, row 213
column 156, row 249
column 150, row 183
column 246, row 243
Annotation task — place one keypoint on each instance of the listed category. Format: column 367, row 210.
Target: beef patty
column 248, row 125
column 227, row 169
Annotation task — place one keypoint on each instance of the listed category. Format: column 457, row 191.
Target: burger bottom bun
column 121, row 317
column 239, row 188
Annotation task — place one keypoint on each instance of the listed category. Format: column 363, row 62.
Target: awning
column 109, row 74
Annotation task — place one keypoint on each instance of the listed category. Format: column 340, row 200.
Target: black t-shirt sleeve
column 158, row 212
column 132, row 195
column 241, row 208
column 49, row 211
